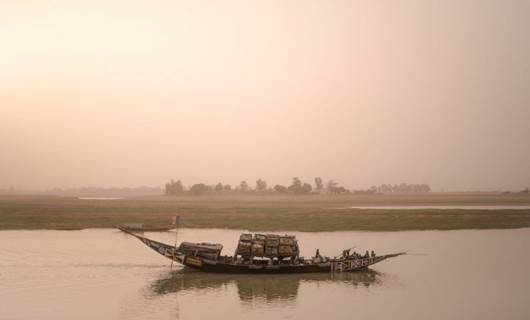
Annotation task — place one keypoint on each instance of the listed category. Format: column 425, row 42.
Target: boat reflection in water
column 266, row 288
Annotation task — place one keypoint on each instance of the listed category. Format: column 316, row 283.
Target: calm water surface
column 442, row 207
column 105, row 274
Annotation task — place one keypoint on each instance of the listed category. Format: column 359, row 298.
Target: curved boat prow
column 388, row 256
column 392, row 255
column 121, row 228
column 170, row 252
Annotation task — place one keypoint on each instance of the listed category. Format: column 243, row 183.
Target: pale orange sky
column 123, row 93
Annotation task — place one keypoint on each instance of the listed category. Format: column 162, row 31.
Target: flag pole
column 176, row 223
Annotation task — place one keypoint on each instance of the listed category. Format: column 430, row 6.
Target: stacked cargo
column 288, row 247
column 244, row 248
column 204, row 250
column 272, row 243
column 258, row 245
column 270, row 246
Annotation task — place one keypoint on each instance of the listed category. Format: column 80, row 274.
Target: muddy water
column 105, row 274
column 443, row 207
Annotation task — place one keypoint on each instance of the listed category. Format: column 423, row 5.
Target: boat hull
column 347, row 265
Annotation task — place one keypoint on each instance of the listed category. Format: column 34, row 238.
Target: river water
column 105, row 274
column 444, row 207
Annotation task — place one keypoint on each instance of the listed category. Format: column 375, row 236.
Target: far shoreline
column 258, row 213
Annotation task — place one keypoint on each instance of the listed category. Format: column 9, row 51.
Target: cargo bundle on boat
column 203, row 250
column 261, row 253
column 270, row 246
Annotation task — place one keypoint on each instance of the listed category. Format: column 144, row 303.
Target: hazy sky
column 127, row 93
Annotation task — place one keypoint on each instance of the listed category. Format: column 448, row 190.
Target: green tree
column 333, row 187
column 219, row 187
column 261, row 185
column 200, row 189
column 174, row 188
column 319, row 185
column 243, row 186
column 296, row 186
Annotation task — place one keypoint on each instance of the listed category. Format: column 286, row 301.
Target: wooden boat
column 206, row 257
column 142, row 227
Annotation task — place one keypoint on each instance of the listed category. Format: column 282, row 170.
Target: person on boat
column 318, row 258
column 373, row 254
column 346, row 253
column 367, row 255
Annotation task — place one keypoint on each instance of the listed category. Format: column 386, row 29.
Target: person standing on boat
column 318, row 258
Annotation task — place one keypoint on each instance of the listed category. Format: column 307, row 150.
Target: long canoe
column 230, row 265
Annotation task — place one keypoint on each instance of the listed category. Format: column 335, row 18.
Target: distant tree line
column 297, row 186
column 402, row 188
column 525, row 191
column 396, row 188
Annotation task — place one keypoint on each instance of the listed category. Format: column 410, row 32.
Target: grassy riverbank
column 296, row 213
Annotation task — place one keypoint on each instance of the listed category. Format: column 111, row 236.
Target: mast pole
column 176, row 222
